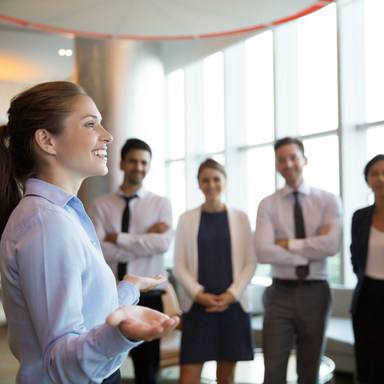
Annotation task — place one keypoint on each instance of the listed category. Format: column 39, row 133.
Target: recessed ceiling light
column 65, row 52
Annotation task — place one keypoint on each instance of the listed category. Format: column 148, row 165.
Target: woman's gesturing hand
column 141, row 323
column 144, row 284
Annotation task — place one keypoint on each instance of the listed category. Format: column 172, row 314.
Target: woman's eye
column 90, row 124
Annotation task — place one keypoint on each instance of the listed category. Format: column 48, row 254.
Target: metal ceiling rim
column 26, row 24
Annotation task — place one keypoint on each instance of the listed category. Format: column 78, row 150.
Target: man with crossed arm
column 297, row 229
column 134, row 227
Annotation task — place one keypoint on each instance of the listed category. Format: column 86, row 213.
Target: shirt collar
column 141, row 193
column 54, row 194
column 304, row 188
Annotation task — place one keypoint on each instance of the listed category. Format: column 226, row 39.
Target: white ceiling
column 153, row 19
column 29, row 52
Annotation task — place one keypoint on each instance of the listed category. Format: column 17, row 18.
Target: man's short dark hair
column 134, row 144
column 289, row 140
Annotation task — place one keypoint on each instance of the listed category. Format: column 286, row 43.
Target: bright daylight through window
column 300, row 79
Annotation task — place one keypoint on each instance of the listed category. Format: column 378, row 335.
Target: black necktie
column 122, row 267
column 302, row 271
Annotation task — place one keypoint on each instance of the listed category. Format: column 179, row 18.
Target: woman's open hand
column 145, row 284
column 141, row 323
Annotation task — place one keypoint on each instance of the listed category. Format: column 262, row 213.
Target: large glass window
column 259, row 88
column 312, row 79
column 214, row 103
column 261, row 178
column 317, row 71
column 322, row 170
column 375, row 141
column 177, row 189
column 176, row 117
column 374, row 60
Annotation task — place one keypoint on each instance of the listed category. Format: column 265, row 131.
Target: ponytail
column 10, row 191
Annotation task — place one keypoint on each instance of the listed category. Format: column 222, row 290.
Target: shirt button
column 93, row 243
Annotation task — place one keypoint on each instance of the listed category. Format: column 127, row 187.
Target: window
column 177, row 177
column 214, row 103
column 260, row 92
column 375, row 140
column 374, row 60
column 318, row 78
column 322, row 170
column 317, row 71
column 261, row 178
column 176, row 115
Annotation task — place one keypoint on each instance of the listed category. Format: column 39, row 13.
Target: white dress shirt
column 142, row 251
column 275, row 220
column 375, row 258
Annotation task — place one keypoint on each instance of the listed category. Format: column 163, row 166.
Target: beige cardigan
column 186, row 256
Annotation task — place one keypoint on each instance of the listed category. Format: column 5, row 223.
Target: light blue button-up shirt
column 58, row 291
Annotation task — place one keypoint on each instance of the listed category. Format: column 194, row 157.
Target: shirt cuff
column 199, row 289
column 296, row 246
column 112, row 342
column 128, row 293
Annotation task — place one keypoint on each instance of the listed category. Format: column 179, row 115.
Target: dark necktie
column 302, row 271
column 122, row 267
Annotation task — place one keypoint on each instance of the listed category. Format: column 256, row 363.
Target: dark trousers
column 115, row 378
column 368, row 328
column 290, row 312
column 147, row 355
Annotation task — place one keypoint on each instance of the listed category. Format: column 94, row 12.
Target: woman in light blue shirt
column 67, row 320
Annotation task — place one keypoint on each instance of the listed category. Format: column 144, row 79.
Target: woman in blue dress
column 67, row 320
column 214, row 263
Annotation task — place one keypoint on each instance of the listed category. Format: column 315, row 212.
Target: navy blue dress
column 215, row 336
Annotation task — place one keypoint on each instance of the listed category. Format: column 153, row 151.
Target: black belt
column 296, row 283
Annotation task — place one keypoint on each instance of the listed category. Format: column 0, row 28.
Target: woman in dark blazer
column 367, row 251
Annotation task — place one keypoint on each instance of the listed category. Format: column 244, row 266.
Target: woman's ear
column 43, row 139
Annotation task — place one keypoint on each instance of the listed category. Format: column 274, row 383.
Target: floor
column 9, row 365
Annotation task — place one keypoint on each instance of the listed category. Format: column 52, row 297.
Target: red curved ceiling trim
column 307, row 11
column 12, row 20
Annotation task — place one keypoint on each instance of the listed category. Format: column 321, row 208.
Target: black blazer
column 361, row 225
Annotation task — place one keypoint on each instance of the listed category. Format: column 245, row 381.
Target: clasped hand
column 215, row 303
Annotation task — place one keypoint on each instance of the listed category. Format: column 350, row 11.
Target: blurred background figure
column 368, row 264
column 134, row 227
column 214, row 262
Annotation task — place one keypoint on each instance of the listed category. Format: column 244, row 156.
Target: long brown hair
column 44, row 106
